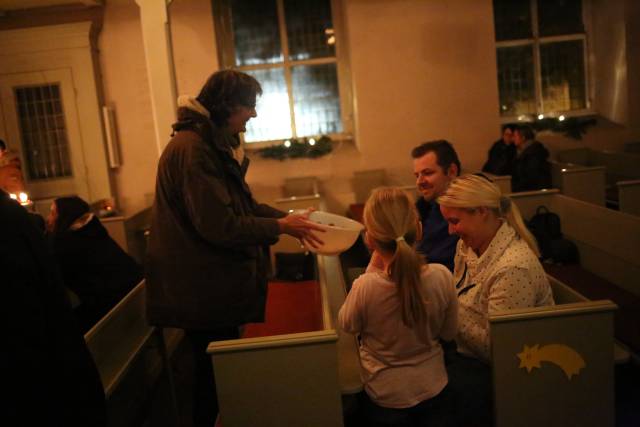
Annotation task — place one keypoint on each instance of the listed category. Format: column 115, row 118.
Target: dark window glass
column 562, row 67
column 516, row 80
column 43, row 132
column 512, row 19
column 255, row 30
column 309, row 29
column 559, row 17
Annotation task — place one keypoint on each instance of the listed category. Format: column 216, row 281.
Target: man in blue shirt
column 435, row 164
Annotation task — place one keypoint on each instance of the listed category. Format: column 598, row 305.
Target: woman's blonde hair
column 392, row 222
column 474, row 191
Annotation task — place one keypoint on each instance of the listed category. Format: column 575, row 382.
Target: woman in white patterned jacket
column 496, row 268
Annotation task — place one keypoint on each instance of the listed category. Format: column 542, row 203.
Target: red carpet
column 291, row 307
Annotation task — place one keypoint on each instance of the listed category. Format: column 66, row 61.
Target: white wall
column 421, row 70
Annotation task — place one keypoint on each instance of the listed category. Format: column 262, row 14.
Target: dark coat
column 207, row 261
column 531, row 169
column 95, row 268
column 48, row 375
column 500, row 160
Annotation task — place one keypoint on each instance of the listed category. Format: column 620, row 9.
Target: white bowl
column 340, row 233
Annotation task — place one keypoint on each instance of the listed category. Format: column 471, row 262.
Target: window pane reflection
column 516, row 81
column 309, row 29
column 512, row 19
column 562, row 66
column 274, row 118
column 317, row 101
column 558, row 17
column 256, row 35
column 43, row 131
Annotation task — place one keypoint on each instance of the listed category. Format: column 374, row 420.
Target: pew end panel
column 629, row 196
column 553, row 366
column 291, row 379
column 278, row 381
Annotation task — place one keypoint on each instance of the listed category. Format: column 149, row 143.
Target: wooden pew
column 502, row 181
column 629, row 196
column 619, row 166
column 293, row 379
column 608, row 243
column 553, row 366
column 585, row 183
column 130, row 355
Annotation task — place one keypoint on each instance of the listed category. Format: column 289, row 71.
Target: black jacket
column 47, row 372
column 531, row 169
column 95, row 268
column 500, row 160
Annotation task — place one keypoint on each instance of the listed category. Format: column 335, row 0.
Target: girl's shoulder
column 436, row 272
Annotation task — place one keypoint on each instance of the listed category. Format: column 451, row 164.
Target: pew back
column 585, row 183
column 502, row 181
column 608, row 240
column 118, row 338
column 553, row 366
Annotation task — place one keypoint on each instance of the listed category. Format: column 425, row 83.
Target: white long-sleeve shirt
column 398, row 369
column 506, row 276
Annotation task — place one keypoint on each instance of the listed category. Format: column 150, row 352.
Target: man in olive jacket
column 207, row 259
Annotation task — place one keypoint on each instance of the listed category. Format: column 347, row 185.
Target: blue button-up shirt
column 437, row 245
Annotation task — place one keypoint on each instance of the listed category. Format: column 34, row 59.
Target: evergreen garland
column 298, row 148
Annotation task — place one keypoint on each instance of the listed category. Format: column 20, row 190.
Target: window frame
column 226, row 57
column 536, row 41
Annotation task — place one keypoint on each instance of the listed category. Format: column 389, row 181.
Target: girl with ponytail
column 496, row 268
column 400, row 307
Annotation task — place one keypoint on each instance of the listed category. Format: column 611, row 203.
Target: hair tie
column 505, row 204
column 400, row 239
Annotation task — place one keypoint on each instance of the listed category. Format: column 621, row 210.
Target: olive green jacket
column 207, row 255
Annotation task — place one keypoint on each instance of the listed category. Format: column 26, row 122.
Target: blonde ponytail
column 391, row 221
column 474, row 191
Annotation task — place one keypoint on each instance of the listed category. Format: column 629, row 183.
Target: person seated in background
column 531, row 168
column 435, row 164
column 502, row 153
column 92, row 264
column 401, row 307
column 496, row 269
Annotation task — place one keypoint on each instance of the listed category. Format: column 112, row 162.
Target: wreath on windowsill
column 297, row 148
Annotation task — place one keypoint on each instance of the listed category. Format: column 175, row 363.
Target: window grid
column 296, row 96
column 544, row 94
column 43, row 131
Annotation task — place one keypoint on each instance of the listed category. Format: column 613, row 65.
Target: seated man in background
column 502, row 153
column 91, row 262
column 531, row 168
column 46, row 369
column 435, row 164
